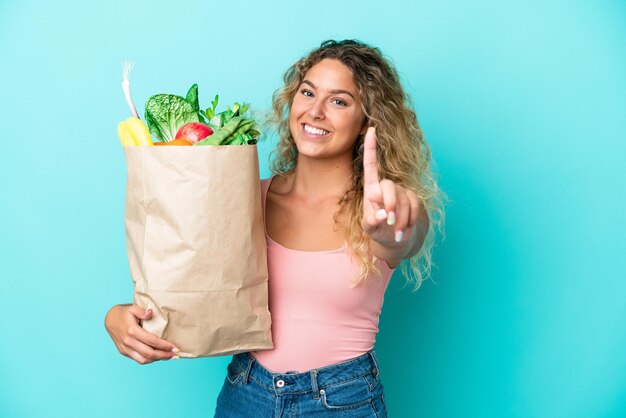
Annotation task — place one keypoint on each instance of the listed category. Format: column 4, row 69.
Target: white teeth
column 314, row 131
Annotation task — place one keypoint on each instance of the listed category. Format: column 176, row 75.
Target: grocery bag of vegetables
column 194, row 226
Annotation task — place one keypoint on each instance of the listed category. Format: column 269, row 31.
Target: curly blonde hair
column 404, row 156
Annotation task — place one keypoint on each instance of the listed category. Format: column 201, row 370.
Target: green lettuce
column 166, row 113
column 192, row 98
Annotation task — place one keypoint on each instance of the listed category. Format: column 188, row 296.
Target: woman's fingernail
column 175, row 350
column 399, row 236
column 175, row 357
column 381, row 214
column 391, row 219
column 148, row 311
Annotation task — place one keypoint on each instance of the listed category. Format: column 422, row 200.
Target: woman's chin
column 310, row 151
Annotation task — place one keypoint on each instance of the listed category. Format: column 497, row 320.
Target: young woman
column 352, row 196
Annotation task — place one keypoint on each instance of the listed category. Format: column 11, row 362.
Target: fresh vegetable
column 210, row 112
column 126, row 68
column 230, row 126
column 125, row 135
column 179, row 141
column 194, row 131
column 133, row 131
column 171, row 118
column 166, row 113
column 192, row 99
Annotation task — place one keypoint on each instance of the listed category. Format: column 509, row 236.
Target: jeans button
column 280, row 383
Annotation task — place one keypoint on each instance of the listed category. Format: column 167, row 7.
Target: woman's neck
column 315, row 180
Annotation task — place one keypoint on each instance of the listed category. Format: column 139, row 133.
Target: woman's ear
column 364, row 129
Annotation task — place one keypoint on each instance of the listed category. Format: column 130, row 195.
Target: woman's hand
column 122, row 322
column 383, row 199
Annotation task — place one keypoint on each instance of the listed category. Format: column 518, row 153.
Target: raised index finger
column 370, row 162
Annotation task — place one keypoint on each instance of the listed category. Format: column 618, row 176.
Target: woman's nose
column 316, row 110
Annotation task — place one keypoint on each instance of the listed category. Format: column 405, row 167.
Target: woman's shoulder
column 268, row 182
column 276, row 181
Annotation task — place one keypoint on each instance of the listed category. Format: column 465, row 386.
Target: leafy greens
column 166, row 113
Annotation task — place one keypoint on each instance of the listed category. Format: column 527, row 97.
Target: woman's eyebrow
column 335, row 91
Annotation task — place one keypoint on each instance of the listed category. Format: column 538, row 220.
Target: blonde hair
column 403, row 155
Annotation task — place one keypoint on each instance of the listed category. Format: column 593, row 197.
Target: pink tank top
column 318, row 319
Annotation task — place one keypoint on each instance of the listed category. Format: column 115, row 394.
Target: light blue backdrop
column 523, row 103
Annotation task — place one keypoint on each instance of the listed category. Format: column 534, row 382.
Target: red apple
column 194, row 132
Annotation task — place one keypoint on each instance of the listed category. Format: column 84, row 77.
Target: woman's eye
column 307, row 93
column 339, row 102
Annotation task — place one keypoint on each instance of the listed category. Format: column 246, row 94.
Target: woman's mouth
column 313, row 131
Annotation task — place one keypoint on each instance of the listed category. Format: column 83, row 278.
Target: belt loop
column 246, row 373
column 316, row 391
column 376, row 370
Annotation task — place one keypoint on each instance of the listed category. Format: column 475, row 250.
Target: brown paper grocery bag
column 196, row 246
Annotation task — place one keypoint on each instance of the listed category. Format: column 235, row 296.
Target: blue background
column 523, row 103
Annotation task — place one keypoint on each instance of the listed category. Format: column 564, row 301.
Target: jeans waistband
column 313, row 380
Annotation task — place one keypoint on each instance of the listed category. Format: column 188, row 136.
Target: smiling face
column 326, row 116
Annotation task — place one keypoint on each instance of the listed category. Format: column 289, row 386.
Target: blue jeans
column 348, row 389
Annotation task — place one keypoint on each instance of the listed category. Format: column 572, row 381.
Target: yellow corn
column 133, row 131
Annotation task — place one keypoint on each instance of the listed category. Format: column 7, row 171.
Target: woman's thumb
column 147, row 314
column 141, row 312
